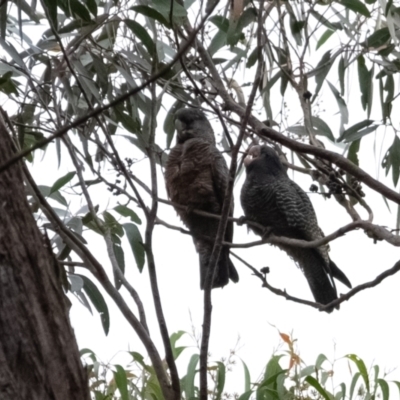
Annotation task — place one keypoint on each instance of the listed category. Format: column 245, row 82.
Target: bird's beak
column 252, row 154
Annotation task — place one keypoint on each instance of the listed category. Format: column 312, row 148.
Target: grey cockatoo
column 196, row 176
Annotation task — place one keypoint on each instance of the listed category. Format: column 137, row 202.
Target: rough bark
column 39, row 357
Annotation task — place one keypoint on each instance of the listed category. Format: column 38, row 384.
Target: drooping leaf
column 142, row 34
column 361, row 368
column 78, row 10
column 119, row 255
column 352, row 154
column 121, row 381
column 92, row 6
column 51, row 6
column 391, row 160
column 221, row 373
column 246, row 377
column 333, row 26
column 98, row 301
column 378, row 38
column 356, row 6
column 136, row 243
column 151, row 13
column 176, row 350
column 112, row 224
column 217, row 42
column 127, row 212
column 315, row 384
column 220, row 22
column 325, row 36
column 57, row 196
column 357, row 131
column 341, row 70
column 59, row 183
column 321, row 70
column 190, row 375
column 384, row 388
column 342, row 106
column 322, row 128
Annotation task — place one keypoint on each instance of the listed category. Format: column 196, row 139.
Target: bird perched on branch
column 271, row 199
column 196, row 177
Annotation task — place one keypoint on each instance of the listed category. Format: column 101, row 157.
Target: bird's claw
column 241, row 220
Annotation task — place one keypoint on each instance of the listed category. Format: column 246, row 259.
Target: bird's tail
column 339, row 274
column 225, row 269
column 320, row 279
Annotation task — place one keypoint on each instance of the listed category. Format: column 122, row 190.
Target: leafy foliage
column 297, row 380
column 95, row 85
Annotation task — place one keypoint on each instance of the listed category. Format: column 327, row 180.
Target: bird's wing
column 300, row 214
column 220, row 176
column 295, row 206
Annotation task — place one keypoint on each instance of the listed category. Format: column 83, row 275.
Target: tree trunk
column 39, row 357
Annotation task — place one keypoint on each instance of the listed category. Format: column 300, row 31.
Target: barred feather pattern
column 271, row 199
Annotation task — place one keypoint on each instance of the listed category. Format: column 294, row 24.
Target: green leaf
column 129, row 123
column 322, row 128
column 122, row 382
column 220, row 22
column 357, row 131
column 127, row 212
column 378, row 38
column 119, row 255
column 297, row 129
column 137, row 357
column 342, row 106
column 98, row 301
column 142, row 34
column 353, row 384
column 217, row 42
column 251, row 60
column 190, row 375
column 57, row 196
column 51, row 6
column 366, row 86
column 151, row 13
column 246, row 395
column 164, row 7
column 136, row 242
column 392, row 160
column 320, row 360
column 315, row 384
column 325, row 36
column 384, row 389
column 112, row 224
column 79, row 10
column 361, row 368
column 176, row 351
column 8, row 85
column 343, row 392
column 321, row 70
column 246, row 378
column 356, row 6
column 92, row 6
column 353, row 152
column 333, row 26
column 59, row 183
column 221, row 374
column 309, row 369
column 341, row 70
